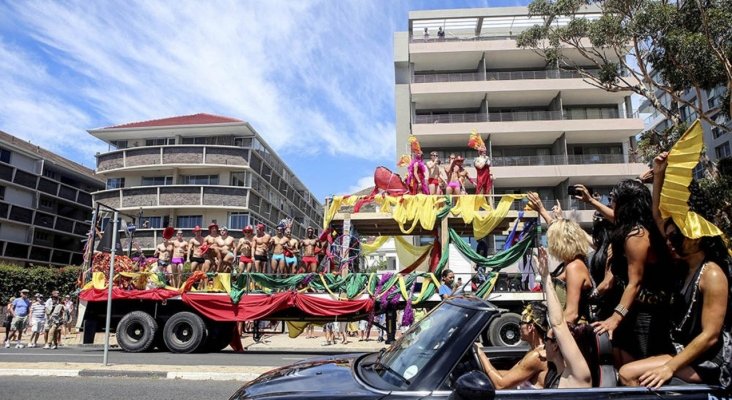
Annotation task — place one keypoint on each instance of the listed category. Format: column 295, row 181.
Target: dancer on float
column 278, row 243
column 164, row 251
column 214, row 255
column 530, row 372
column 434, row 173
column 261, row 249
column 180, row 249
column 310, row 249
column 482, row 164
column 642, row 277
column 226, row 244
column 702, row 344
column 416, row 171
column 292, row 250
column 195, row 254
column 244, row 250
column 456, row 176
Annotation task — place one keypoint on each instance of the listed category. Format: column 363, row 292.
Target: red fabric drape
column 119, row 294
column 253, row 306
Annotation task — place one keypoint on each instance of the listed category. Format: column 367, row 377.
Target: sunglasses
column 676, row 238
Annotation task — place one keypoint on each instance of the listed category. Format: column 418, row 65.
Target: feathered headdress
column 414, row 144
column 682, row 159
column 475, row 142
column 404, row 160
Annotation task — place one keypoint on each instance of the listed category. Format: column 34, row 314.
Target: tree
column 647, row 47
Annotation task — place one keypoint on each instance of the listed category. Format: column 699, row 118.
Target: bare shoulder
column 713, row 277
column 533, row 360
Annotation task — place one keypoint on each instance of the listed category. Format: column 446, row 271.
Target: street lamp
column 131, row 231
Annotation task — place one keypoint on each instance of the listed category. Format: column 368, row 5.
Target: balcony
column 175, row 196
column 496, row 76
column 558, row 160
column 156, row 156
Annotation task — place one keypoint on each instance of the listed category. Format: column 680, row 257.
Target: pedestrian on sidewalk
column 69, row 310
column 8, row 322
column 329, row 335
column 20, row 310
column 50, row 302
column 56, row 322
column 364, row 330
column 37, row 320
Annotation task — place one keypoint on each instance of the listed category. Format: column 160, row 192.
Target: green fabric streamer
column 501, row 259
column 486, row 287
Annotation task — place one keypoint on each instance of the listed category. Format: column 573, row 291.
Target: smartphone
column 572, row 191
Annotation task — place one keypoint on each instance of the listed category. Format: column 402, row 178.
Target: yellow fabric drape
column 682, row 159
column 222, row 282
column 408, row 253
column 336, row 203
column 469, row 207
column 368, row 248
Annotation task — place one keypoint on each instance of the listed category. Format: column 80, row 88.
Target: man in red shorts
column 310, row 246
column 244, row 250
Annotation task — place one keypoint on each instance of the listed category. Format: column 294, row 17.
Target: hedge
column 39, row 279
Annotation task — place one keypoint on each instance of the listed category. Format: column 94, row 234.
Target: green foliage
column 39, row 279
column 653, row 143
column 718, row 194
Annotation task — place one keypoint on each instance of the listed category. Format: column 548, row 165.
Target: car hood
column 324, row 377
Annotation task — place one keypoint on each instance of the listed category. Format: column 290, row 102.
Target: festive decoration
column 682, row 159
column 168, row 233
column 475, row 141
column 404, row 160
column 414, row 145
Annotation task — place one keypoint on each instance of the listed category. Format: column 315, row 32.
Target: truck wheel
column 506, row 330
column 184, row 332
column 219, row 335
column 136, row 332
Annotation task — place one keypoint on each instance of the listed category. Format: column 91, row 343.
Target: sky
column 314, row 78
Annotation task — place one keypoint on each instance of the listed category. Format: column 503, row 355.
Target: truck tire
column 219, row 335
column 136, row 332
column 184, row 332
column 505, row 330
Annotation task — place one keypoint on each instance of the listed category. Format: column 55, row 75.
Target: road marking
column 216, row 376
column 39, row 372
column 50, row 355
column 296, row 359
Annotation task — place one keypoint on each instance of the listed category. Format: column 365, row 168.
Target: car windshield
column 423, row 341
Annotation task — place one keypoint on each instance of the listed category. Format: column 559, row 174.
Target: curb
column 101, row 373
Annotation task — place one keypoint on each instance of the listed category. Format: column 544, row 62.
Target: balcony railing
column 496, row 76
column 558, row 160
column 174, row 196
column 178, row 154
column 510, row 116
column 461, row 38
column 447, row 77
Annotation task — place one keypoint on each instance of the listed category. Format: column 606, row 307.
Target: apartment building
column 545, row 128
column 45, row 204
column 197, row 169
column 718, row 141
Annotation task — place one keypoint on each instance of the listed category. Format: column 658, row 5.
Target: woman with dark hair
column 529, row 373
column 601, row 302
column 642, row 272
column 702, row 347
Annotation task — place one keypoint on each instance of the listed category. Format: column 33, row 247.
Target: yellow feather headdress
column 475, row 141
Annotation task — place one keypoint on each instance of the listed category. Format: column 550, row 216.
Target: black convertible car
column 435, row 359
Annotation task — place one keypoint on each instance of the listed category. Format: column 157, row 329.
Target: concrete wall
column 25, row 163
column 23, row 198
column 14, row 233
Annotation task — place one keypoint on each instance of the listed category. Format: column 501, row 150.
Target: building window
column 152, row 222
column 5, row 156
column 242, row 142
column 50, row 174
column 40, row 236
column 47, row 203
column 157, row 180
column 723, row 151
column 199, row 180
column 119, row 144
column 2, row 192
column 189, row 221
column 160, row 142
column 115, row 183
column 238, row 220
column 241, row 179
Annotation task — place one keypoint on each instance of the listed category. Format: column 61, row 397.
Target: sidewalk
column 269, row 343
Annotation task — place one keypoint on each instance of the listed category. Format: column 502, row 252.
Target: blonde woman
column 568, row 243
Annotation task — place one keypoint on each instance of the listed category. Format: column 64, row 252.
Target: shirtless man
column 226, row 245
column 309, row 256
column 194, row 250
column 163, row 253
column 244, row 250
column 483, row 167
column 278, row 250
column 292, row 250
column 214, row 255
column 180, row 250
column 261, row 248
column 434, row 173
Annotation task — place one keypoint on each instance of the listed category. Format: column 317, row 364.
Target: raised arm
column 585, row 196
column 536, row 204
column 577, row 371
column 659, row 172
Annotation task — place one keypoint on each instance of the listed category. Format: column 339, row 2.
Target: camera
column 573, row 190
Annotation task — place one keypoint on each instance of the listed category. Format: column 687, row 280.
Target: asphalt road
column 55, row 388
column 94, row 355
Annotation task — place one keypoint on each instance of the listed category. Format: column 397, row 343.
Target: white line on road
column 296, row 359
column 39, row 372
column 49, row 355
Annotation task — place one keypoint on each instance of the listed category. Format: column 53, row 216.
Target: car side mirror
column 474, row 385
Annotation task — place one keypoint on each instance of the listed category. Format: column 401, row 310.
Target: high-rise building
column 197, row 169
column 45, row 204
column 545, row 128
column 718, row 141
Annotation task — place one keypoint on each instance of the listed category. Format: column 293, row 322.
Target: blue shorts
column 291, row 260
column 278, row 257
